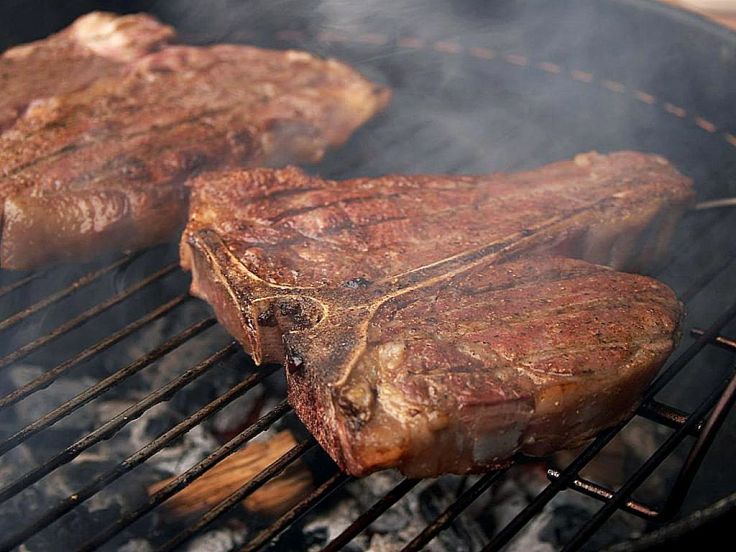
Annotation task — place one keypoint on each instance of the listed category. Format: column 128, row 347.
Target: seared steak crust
column 417, row 314
column 289, row 228
column 96, row 45
column 89, row 171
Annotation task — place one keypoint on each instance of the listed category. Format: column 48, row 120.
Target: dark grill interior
column 124, row 331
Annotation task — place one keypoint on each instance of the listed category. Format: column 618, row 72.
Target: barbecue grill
column 477, row 88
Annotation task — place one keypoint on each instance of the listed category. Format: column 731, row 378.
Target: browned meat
column 102, row 168
column 417, row 314
column 96, row 45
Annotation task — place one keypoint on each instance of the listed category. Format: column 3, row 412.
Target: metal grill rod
column 646, row 469
column 603, row 494
column 92, row 392
column 85, row 280
column 720, row 341
column 716, row 203
column 686, row 356
column 550, row 491
column 571, row 471
column 20, row 282
column 305, row 505
column 48, row 377
column 135, row 459
column 699, row 450
column 181, row 481
column 114, row 424
column 454, row 510
column 273, row 469
column 666, row 415
column 371, row 515
column 85, row 316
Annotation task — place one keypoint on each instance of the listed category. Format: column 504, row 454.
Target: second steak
column 103, row 168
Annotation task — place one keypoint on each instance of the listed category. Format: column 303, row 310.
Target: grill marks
column 97, row 136
column 417, row 220
column 557, row 297
column 108, row 158
column 549, row 352
column 311, row 209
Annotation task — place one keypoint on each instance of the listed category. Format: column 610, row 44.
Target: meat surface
column 96, row 45
column 103, row 168
column 424, row 313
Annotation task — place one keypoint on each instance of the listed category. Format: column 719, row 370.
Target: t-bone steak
column 421, row 320
column 103, row 168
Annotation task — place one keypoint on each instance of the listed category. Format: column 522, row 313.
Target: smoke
column 561, row 80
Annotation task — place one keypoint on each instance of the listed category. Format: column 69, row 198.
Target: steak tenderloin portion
column 417, row 314
column 103, row 168
column 96, row 45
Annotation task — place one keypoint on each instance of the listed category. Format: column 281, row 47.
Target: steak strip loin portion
column 422, row 322
column 96, row 45
column 103, row 168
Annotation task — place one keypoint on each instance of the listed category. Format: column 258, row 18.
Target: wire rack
column 699, row 426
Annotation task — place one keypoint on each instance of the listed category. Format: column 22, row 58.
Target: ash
column 399, row 525
column 549, row 531
column 472, row 529
column 130, row 491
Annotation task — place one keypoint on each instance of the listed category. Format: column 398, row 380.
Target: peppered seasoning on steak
column 422, row 313
column 103, row 168
column 96, row 45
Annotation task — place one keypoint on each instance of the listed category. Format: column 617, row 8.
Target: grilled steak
column 418, row 314
column 103, row 168
column 95, row 45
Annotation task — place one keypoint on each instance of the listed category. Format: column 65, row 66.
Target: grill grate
column 698, row 424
